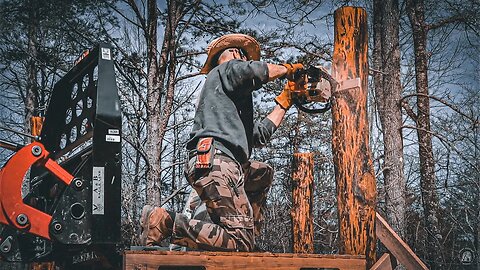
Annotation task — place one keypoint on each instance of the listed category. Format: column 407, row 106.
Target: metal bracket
column 14, row 212
column 349, row 84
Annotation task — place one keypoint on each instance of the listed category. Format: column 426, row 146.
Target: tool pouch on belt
column 205, row 153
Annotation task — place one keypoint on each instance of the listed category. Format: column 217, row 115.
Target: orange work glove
column 292, row 71
column 285, row 98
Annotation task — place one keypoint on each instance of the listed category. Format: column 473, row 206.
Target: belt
column 244, row 166
column 193, row 153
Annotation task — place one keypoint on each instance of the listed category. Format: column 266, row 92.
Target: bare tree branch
column 451, row 106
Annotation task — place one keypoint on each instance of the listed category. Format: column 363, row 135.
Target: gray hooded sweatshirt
column 225, row 109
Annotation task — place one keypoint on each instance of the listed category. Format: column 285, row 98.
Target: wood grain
column 302, row 203
column 402, row 252
column 356, row 189
column 239, row 260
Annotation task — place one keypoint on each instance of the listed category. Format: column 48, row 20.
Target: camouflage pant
column 235, row 198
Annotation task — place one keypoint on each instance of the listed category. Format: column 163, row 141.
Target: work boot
column 156, row 225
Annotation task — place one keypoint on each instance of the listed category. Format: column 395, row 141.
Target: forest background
column 424, row 111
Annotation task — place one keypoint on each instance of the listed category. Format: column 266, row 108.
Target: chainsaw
column 311, row 89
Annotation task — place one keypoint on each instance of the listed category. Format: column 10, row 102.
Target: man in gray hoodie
column 224, row 132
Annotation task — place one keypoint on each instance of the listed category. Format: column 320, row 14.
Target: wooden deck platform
column 193, row 260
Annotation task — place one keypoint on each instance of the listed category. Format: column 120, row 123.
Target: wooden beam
column 36, row 125
column 386, row 262
column 402, row 252
column 42, row 266
column 302, row 203
column 150, row 260
column 356, row 190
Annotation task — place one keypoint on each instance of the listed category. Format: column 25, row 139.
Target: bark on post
column 356, row 190
column 302, row 223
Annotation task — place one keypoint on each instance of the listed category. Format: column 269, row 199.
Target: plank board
column 397, row 246
column 149, row 260
column 384, row 263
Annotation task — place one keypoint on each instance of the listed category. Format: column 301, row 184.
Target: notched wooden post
column 302, row 223
column 356, row 190
column 36, row 125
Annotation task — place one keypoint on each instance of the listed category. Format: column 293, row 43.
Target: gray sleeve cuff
column 262, row 132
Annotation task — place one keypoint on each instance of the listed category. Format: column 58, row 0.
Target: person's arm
column 243, row 77
column 240, row 78
column 276, row 71
column 285, row 70
column 277, row 114
column 263, row 130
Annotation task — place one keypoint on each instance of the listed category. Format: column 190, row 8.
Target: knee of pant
column 245, row 240
column 268, row 175
column 259, row 177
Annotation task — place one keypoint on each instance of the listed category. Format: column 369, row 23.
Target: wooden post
column 302, row 223
column 356, row 190
column 42, row 266
column 37, row 124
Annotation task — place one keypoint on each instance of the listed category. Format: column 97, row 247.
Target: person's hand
column 285, row 98
column 293, row 71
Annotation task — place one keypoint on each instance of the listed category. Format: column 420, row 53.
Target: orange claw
column 13, row 211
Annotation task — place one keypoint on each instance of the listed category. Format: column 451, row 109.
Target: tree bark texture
column 160, row 89
column 476, row 135
column 154, row 89
column 31, row 91
column 302, row 205
column 416, row 13
column 388, row 92
column 356, row 190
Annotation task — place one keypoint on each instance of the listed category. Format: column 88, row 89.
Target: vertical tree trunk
column 137, row 171
column 302, row 205
column 31, row 90
column 476, row 134
column 154, row 91
column 388, row 91
column 160, row 94
column 356, row 190
column 416, row 12
column 477, row 228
